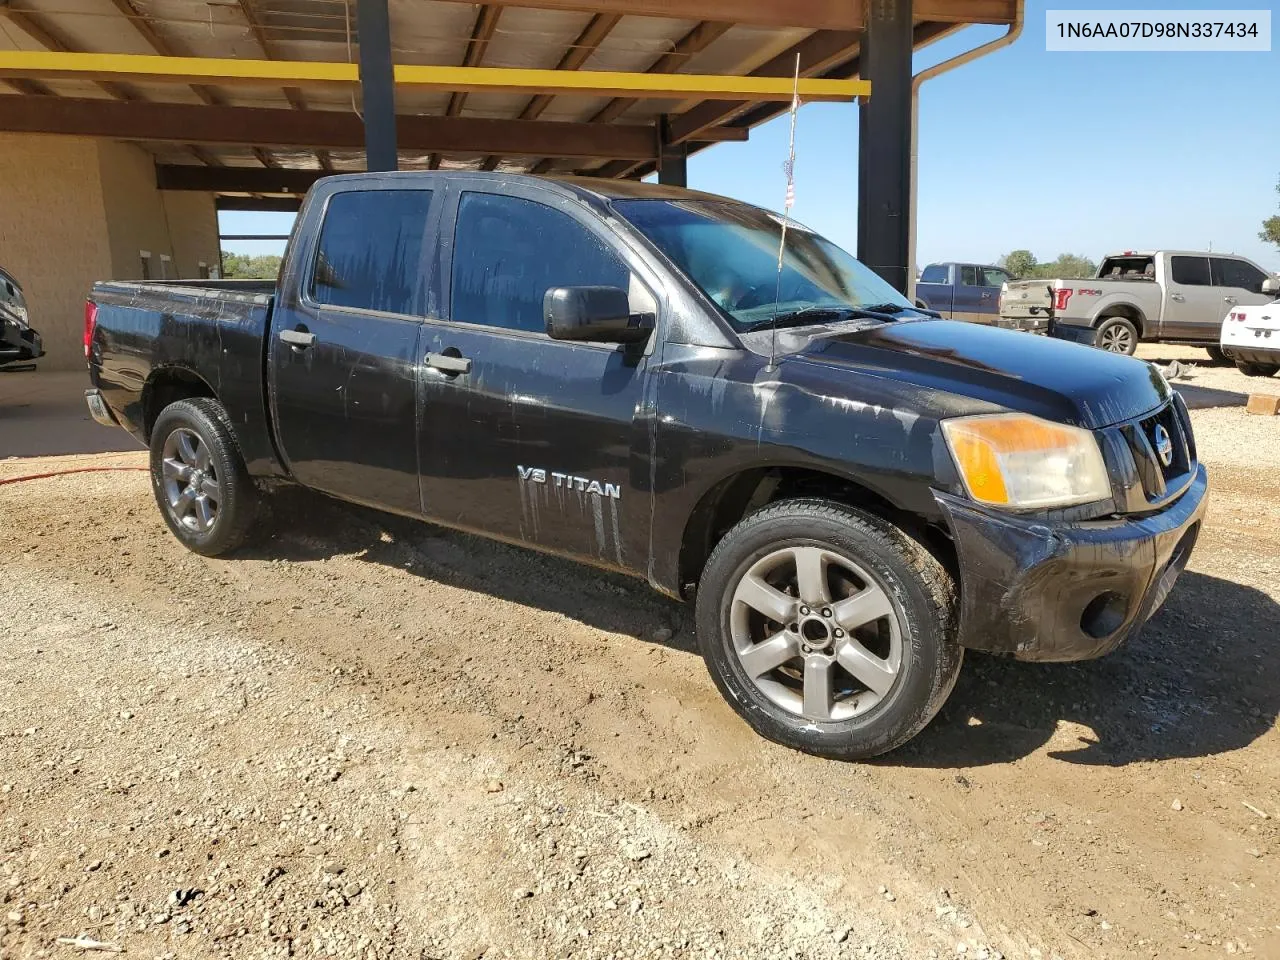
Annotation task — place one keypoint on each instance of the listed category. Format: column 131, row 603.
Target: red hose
column 62, row 473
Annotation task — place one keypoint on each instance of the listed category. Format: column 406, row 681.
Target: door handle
column 1177, row 298
column 298, row 338
column 447, row 364
column 1229, row 300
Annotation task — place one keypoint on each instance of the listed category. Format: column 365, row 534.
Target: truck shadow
column 1199, row 680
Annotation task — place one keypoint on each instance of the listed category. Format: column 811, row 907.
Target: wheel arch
column 1122, row 308
column 167, row 385
column 741, row 493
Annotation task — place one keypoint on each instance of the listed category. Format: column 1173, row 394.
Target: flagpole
column 788, row 201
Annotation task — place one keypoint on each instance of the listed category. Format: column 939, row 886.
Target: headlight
column 1020, row 461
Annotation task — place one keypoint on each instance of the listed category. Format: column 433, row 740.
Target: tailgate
column 1026, row 299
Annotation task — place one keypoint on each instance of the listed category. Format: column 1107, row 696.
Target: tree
column 1068, row 265
column 1021, row 263
column 1271, row 227
column 241, row 266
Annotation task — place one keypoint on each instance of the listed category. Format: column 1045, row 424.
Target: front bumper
column 1073, row 591
column 19, row 344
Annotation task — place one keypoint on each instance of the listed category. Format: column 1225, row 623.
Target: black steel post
column 884, row 142
column 673, row 158
column 377, row 84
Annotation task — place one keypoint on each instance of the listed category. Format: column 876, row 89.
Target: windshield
column 730, row 250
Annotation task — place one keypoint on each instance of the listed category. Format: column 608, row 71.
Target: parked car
column 852, row 492
column 967, row 291
column 18, row 342
column 1251, row 339
column 1167, row 296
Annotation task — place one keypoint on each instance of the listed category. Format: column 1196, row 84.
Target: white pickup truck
column 1169, row 296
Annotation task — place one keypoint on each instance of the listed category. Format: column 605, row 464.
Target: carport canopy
column 254, row 99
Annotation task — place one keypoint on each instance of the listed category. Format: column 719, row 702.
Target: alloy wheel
column 190, row 481
column 816, row 633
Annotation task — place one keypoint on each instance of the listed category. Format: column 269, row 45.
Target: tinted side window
column 370, row 253
column 992, row 277
column 969, row 277
column 934, row 273
column 1191, row 271
column 1237, row 273
column 507, row 252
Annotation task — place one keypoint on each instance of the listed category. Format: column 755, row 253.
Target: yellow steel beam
column 678, row 86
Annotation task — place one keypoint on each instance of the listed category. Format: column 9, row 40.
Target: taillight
column 90, row 324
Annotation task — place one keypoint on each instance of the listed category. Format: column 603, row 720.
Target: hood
column 945, row 359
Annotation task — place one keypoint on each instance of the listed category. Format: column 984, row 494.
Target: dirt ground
column 374, row 738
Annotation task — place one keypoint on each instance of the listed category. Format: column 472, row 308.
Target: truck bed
column 212, row 331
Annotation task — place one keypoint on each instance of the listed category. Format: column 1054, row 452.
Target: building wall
column 53, row 234
column 73, row 211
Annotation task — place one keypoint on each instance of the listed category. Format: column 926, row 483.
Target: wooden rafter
column 485, row 26
column 588, row 41
column 48, row 36
column 330, row 129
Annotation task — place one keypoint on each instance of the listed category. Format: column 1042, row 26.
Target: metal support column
column 673, row 158
column 884, row 142
column 377, row 84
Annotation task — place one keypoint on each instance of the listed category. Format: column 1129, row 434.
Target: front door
column 344, row 356
column 991, row 280
column 1240, row 283
column 526, row 438
column 968, row 302
column 1193, row 307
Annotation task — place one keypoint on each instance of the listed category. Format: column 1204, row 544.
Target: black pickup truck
column 854, row 490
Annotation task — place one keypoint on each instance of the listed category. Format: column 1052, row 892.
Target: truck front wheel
column 828, row 629
column 199, row 479
column 1117, row 335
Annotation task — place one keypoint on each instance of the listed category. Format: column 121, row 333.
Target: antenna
column 790, row 169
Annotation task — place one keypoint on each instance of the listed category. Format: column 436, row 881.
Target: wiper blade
column 886, row 308
column 875, row 311
column 800, row 317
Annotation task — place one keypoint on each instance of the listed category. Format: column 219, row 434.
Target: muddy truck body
column 851, row 492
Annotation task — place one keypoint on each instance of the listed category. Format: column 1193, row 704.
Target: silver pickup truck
column 1169, row 296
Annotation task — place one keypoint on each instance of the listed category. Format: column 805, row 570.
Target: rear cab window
column 1127, row 268
column 509, row 251
column 370, row 254
column 934, row 273
column 969, row 276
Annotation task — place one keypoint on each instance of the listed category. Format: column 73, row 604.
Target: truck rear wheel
column 1257, row 369
column 828, row 629
column 199, row 479
column 1216, row 355
column 1116, row 335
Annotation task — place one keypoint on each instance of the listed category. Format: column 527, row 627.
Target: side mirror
column 601, row 314
column 1271, row 286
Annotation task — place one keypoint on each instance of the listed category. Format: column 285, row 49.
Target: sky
column 1083, row 153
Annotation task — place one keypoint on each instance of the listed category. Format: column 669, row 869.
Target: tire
column 1257, row 369
column 1116, row 335
column 199, row 478
column 865, row 565
column 1217, row 356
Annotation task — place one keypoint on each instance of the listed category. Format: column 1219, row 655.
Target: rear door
column 968, row 296
column 527, row 438
column 990, row 279
column 344, row 351
column 1193, row 306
